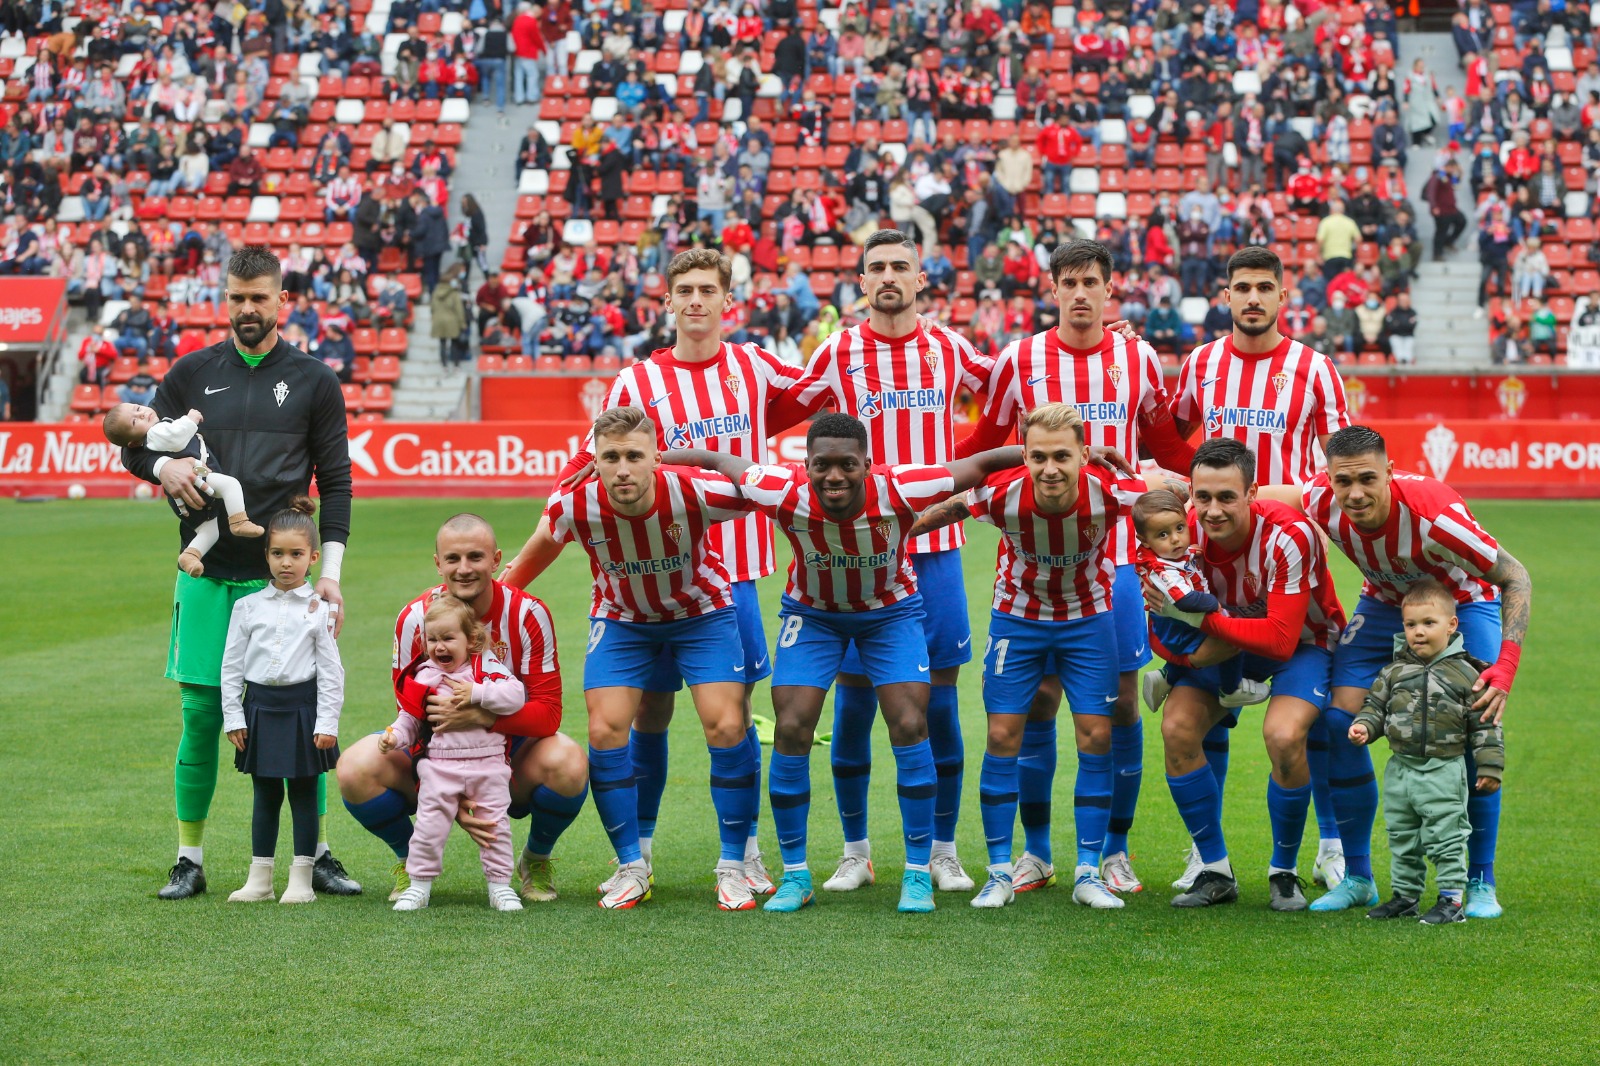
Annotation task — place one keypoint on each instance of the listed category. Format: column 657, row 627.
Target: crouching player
column 1051, row 616
column 850, row 580
column 659, row 585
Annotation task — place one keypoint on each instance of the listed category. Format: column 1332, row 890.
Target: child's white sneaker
column 300, row 889
column 257, row 885
column 502, row 897
column 415, row 896
column 1248, row 694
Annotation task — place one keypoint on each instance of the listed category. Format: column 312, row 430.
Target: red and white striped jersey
column 1278, row 404
column 855, row 565
column 1053, row 567
column 721, row 406
column 1429, row 533
column 904, row 389
column 521, row 635
column 1282, row 553
column 1111, row 385
column 1176, row 577
column 660, row 566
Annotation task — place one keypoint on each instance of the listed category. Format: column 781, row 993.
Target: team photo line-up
column 1221, row 570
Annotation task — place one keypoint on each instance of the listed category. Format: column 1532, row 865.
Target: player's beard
column 1251, row 329
column 250, row 334
column 889, row 301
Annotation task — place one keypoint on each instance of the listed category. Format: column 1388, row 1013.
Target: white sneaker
column 414, row 898
column 632, row 887
column 1248, row 694
column 1032, row 872
column 1191, row 870
column 854, row 871
column 1329, row 869
column 756, row 876
column 504, row 898
column 610, row 884
column 1089, row 890
column 996, row 891
column 1156, row 689
column 948, row 876
column 1118, row 874
column 733, row 890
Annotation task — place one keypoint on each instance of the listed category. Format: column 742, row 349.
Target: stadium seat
column 85, row 399
column 378, row 398
column 352, row 398
column 386, row 370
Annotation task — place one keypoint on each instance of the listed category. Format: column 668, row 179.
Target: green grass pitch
column 94, row 968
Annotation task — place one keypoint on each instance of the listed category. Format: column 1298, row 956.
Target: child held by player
column 466, row 766
column 1422, row 701
column 282, row 691
column 1167, row 558
column 132, row 425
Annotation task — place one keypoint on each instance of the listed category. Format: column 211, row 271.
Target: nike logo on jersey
column 855, row 369
column 1034, row 381
column 1319, row 692
column 658, row 401
column 964, row 643
column 761, row 662
column 922, row 669
column 212, row 392
column 596, row 543
column 1111, row 699
column 738, row 669
column 798, row 530
column 1211, row 381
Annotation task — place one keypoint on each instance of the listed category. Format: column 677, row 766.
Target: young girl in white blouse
column 282, row 690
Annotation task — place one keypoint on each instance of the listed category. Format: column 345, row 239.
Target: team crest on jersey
column 931, row 357
column 1091, row 532
column 732, row 381
column 884, row 527
column 1252, row 585
column 501, row 649
column 751, row 476
column 1280, row 381
column 1114, row 372
column 280, row 392
column 675, row 532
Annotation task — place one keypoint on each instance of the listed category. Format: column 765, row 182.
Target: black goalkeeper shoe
column 1210, row 888
column 1445, row 912
column 185, row 879
column 1397, row 907
column 1283, row 892
column 328, row 876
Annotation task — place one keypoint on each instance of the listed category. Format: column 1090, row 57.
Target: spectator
column 337, row 350
column 1059, row 146
column 1448, row 221
column 305, row 316
column 494, row 47
column 1531, row 272
column 245, row 173
column 95, row 356
column 1370, row 317
column 133, row 325
column 141, row 388
column 1399, row 330
column 430, row 238
column 1342, row 324
column 1164, row 327
column 1494, row 249
column 1542, row 327
column 1219, row 318
column 1337, row 236
column 393, row 306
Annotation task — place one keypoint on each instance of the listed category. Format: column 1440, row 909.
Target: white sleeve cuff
column 155, row 471
column 332, row 560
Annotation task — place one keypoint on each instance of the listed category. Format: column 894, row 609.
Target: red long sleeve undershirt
column 540, row 716
column 1273, row 637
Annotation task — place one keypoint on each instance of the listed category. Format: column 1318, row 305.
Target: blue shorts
column 624, row 654
column 1021, row 652
column 1178, row 637
column 947, row 629
column 1127, row 607
column 752, row 637
column 1304, row 675
column 1367, row 644
column 812, row 644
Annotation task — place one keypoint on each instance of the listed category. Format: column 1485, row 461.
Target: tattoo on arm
column 1516, row 595
column 940, row 515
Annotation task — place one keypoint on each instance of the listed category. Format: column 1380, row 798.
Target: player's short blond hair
column 622, row 422
column 701, row 259
column 1053, row 418
column 450, row 609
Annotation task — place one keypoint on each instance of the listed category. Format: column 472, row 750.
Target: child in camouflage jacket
column 1422, row 701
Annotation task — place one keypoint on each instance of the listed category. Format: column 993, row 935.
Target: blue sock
column 1355, row 793
column 997, row 802
column 387, row 817
column 1195, row 794
column 1216, row 745
column 616, row 797
column 916, row 784
column 949, row 758
column 732, row 778
column 1286, row 810
column 1127, row 763
column 1483, row 813
column 552, row 813
column 648, row 753
column 789, row 789
column 854, row 708
column 1036, row 780
column 1321, row 790
column 1091, row 805
column 753, row 739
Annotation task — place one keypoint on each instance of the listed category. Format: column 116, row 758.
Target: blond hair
column 701, row 259
column 1053, row 418
column 623, row 421
column 1429, row 590
column 450, row 609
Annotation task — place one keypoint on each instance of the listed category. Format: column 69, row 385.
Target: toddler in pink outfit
column 462, row 766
